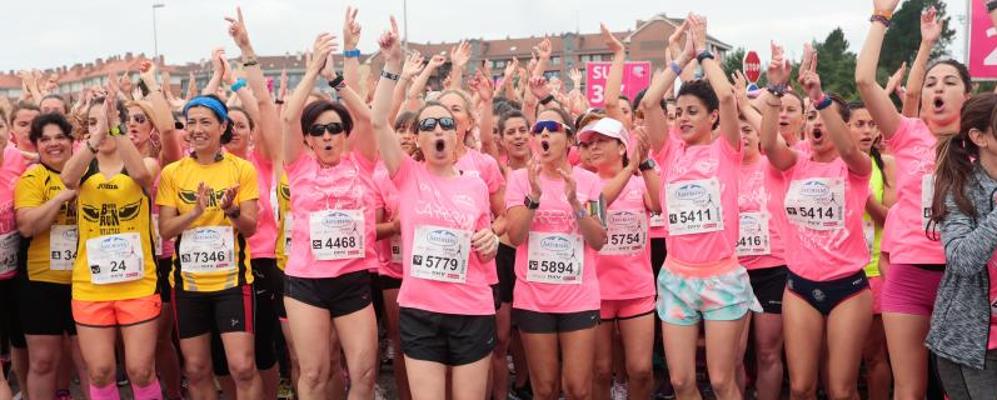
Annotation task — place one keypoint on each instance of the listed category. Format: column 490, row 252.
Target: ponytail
column 877, row 158
column 955, row 156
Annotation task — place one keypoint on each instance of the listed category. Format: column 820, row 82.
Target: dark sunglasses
column 318, row 130
column 429, row 124
column 138, row 118
column 550, row 126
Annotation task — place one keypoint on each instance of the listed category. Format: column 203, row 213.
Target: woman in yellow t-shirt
column 114, row 276
column 46, row 219
column 207, row 201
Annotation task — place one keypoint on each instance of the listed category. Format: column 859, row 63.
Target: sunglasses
column 429, row 124
column 549, row 126
column 138, row 118
column 318, row 130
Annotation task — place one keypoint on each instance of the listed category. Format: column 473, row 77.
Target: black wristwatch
column 234, row 214
column 647, row 165
column 777, row 90
column 547, row 99
column 530, row 203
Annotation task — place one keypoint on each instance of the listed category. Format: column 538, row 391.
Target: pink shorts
column 627, row 308
column 876, row 285
column 911, row 289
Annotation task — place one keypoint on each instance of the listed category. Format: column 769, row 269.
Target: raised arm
column 931, row 30
column 386, row 139
column 217, row 72
column 875, row 98
column 413, row 66
column 614, row 80
column 362, row 142
column 351, row 37
column 418, row 89
column 78, row 164
column 744, row 106
column 482, row 85
column 848, row 148
column 324, row 44
column 543, row 51
column 459, row 56
column 778, row 153
column 267, row 134
column 162, row 115
column 718, row 79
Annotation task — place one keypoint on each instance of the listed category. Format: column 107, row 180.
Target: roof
column 677, row 22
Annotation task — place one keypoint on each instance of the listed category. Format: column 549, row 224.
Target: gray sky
column 61, row 32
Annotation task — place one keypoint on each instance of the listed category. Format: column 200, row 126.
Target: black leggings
column 965, row 383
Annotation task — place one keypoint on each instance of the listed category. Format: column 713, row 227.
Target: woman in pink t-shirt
column 556, row 297
column 701, row 278
column 334, row 207
column 626, row 282
column 447, row 308
column 910, row 243
column 827, row 188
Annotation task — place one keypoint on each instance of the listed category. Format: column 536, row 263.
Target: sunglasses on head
column 318, row 130
column 429, row 124
column 549, row 126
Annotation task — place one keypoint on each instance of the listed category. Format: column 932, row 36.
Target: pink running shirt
column 476, row 163
column 439, row 217
column 824, row 204
column 913, row 148
column 760, row 205
column 625, row 260
column 389, row 251
column 338, row 197
column 559, row 245
column 13, row 166
column 263, row 243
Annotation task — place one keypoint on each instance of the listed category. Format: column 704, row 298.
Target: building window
column 555, row 60
column 498, row 64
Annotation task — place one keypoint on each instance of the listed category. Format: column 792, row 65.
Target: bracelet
column 678, row 69
column 777, row 90
column 239, row 84
column 824, row 102
column 388, row 75
column 354, row 53
column 704, row 55
column 337, row 82
column 249, row 63
column 547, row 99
column 278, row 101
column 881, row 19
column 234, row 214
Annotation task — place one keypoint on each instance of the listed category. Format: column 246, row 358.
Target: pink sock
column 151, row 391
column 109, row 392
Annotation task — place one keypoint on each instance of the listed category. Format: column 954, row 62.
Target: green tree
column 734, row 61
column 904, row 36
column 836, row 65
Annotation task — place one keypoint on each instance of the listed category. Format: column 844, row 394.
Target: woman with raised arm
column 617, row 106
column 208, row 202
column 827, row 294
column 963, row 335
column 632, row 190
column 46, row 219
column 761, row 249
column 335, row 211
column 701, row 278
column 446, row 302
column 114, row 276
column 915, row 257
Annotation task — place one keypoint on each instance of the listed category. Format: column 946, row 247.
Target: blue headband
column 209, row 103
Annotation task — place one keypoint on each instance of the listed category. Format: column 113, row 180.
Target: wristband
column 234, row 214
column 881, row 19
column 337, row 83
column 249, row 63
column 579, row 214
column 278, row 101
column 675, row 68
column 388, row 75
column 239, row 84
column 530, row 203
column 647, row 165
column 777, row 90
column 355, row 53
column 547, row 99
column 824, row 102
column 704, row 55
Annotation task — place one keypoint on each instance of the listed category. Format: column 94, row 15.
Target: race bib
column 208, row 249
column 816, row 203
column 555, row 258
column 396, row 249
column 8, row 252
column 115, row 258
column 927, row 194
column 440, row 254
column 694, row 207
column 626, row 232
column 62, row 241
column 336, row 234
column 157, row 240
column 753, row 234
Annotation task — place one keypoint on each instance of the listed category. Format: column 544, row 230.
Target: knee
column 639, row 372
column 42, row 365
column 544, row 389
column 682, row 382
column 802, row 391
column 313, row 376
column 578, row 389
column 141, row 375
column 603, row 371
column 197, row 369
column 842, row 393
column 721, row 382
column 363, row 378
column 768, row 357
column 243, row 369
column 100, row 375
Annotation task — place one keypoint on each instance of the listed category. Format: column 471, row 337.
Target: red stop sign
column 752, row 66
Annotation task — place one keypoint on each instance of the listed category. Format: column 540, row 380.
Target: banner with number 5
column 982, row 43
column 636, row 77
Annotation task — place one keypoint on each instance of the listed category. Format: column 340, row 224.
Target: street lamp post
column 155, row 33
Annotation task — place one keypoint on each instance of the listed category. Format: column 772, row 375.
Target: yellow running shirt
column 115, row 260
column 284, row 221
column 211, row 255
column 51, row 252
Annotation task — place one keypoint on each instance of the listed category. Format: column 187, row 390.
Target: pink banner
column 982, row 43
column 636, row 77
